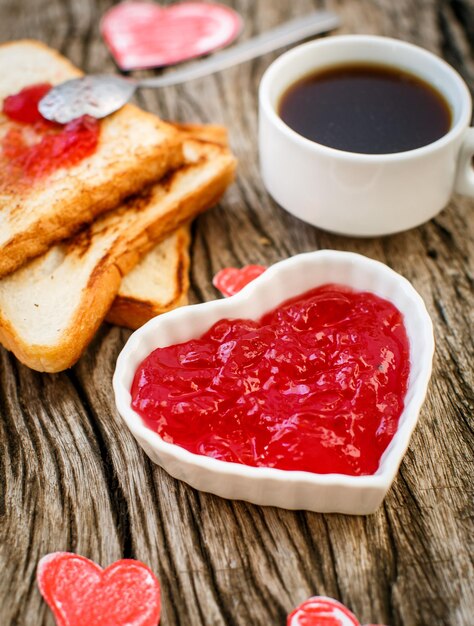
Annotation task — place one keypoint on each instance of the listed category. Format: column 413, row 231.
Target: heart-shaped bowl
column 357, row 495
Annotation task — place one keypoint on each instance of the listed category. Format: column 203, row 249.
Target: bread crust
column 40, row 45
column 210, row 133
column 60, row 356
column 132, row 310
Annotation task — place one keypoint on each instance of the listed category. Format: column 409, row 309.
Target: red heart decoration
column 81, row 593
column 323, row 611
column 231, row 280
column 142, row 34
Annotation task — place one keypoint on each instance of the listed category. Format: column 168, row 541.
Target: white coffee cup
column 364, row 194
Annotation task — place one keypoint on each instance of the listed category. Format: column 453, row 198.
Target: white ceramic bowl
column 268, row 486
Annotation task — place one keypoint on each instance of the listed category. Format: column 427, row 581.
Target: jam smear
column 317, row 384
column 23, row 106
column 33, row 147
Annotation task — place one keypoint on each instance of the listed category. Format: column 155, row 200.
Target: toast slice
column 135, row 149
column 51, row 308
column 159, row 283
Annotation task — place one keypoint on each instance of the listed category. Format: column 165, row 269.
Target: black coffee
column 372, row 109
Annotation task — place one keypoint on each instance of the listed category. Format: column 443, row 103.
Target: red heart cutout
column 81, row 593
column 323, row 611
column 231, row 280
column 142, row 34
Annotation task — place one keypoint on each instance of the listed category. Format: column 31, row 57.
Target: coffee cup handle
column 465, row 173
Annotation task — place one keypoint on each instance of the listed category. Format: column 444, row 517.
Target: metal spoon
column 100, row 95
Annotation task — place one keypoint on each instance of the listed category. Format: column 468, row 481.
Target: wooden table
column 73, row 478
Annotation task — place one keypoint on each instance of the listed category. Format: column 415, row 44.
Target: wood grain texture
column 73, row 478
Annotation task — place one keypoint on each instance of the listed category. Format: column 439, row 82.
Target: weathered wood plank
column 73, row 478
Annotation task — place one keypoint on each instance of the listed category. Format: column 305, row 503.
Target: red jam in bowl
column 33, row 147
column 317, row 384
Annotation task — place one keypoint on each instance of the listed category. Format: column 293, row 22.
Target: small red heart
column 143, row 34
column 81, row 593
column 323, row 611
column 231, row 280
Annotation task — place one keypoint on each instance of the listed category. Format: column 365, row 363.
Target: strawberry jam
column 317, row 384
column 33, row 147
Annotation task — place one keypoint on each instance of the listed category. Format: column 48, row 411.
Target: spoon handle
column 288, row 33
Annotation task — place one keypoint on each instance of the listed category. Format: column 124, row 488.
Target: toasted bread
column 135, row 149
column 159, row 283
column 50, row 308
